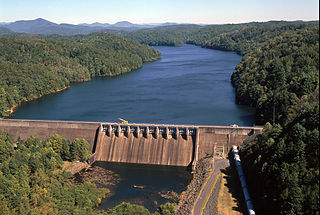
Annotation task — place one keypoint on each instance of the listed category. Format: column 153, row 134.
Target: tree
column 3, row 101
column 80, row 149
column 128, row 209
column 168, row 208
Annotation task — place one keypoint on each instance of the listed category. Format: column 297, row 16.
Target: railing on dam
column 110, row 128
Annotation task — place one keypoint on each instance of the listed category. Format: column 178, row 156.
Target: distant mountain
column 168, row 24
column 124, row 24
column 4, row 30
column 96, row 24
column 42, row 26
column 30, row 26
column 4, row 23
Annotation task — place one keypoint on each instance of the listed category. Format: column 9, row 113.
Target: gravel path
column 211, row 206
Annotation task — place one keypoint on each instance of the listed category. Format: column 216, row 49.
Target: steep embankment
column 277, row 75
column 33, row 66
column 282, row 80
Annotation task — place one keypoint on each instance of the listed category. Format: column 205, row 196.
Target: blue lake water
column 189, row 85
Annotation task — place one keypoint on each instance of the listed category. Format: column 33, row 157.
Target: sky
column 159, row 11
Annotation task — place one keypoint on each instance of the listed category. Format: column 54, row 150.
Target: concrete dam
column 160, row 144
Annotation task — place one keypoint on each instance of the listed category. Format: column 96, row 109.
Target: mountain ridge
column 43, row 26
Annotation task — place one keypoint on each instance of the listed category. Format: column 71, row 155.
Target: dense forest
column 282, row 164
column 281, row 79
column 279, row 76
column 175, row 35
column 275, row 76
column 33, row 66
column 231, row 37
column 32, row 180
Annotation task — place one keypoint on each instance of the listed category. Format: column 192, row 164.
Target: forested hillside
column 175, row 35
column 275, row 76
column 32, row 180
column 251, row 36
column 231, row 37
column 279, row 75
column 32, row 66
column 282, row 165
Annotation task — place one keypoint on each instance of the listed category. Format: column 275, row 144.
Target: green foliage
column 33, row 66
column 6, row 147
column 168, row 208
column 163, row 36
column 128, row 209
column 32, row 182
column 247, row 37
column 286, row 158
column 77, row 150
column 80, row 199
column 279, row 75
column 240, row 38
column 276, row 75
column 80, row 149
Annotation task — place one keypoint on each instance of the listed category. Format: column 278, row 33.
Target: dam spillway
column 161, row 144
column 146, row 144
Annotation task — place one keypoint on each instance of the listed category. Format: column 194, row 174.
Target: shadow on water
column 145, row 185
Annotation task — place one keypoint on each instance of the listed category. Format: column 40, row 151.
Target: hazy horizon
column 151, row 11
column 153, row 23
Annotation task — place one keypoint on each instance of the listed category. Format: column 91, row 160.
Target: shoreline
column 11, row 110
column 15, row 107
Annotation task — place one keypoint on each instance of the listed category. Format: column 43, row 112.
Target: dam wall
column 219, row 139
column 43, row 129
column 176, row 145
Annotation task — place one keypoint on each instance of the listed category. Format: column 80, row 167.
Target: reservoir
column 189, row 85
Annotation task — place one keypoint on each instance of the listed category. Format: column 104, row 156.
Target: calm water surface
column 152, row 179
column 189, row 85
